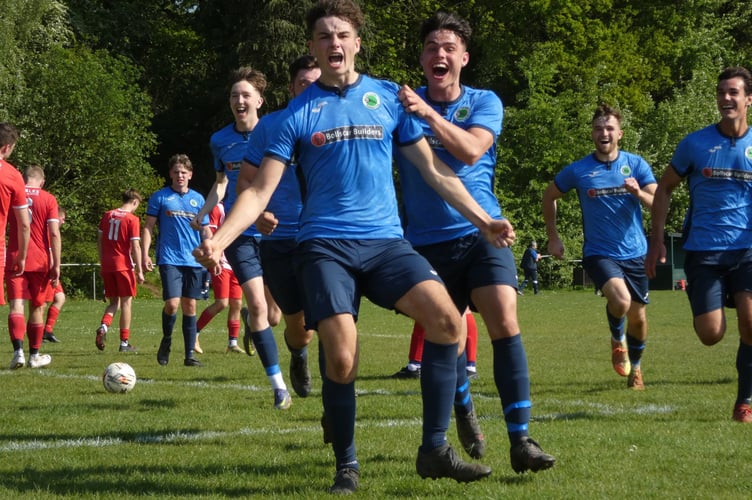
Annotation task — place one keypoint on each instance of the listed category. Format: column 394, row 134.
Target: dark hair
column 447, row 21
column 181, row 159
column 604, row 111
column 130, row 195
column 344, row 9
column 8, row 134
column 301, row 63
column 250, row 75
column 740, row 72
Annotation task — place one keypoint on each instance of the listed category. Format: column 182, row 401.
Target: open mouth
column 336, row 59
column 440, row 70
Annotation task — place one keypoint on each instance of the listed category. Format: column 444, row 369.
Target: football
column 119, row 378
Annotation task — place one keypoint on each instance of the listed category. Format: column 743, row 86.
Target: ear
column 465, row 59
column 357, row 45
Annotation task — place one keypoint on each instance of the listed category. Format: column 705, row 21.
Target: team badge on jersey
column 462, row 114
column 194, row 203
column 625, row 170
column 748, row 153
column 371, row 100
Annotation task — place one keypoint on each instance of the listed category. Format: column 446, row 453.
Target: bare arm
column 255, row 187
column 146, row 236
column 659, row 212
column 216, row 194
column 442, row 179
column 23, row 228
column 136, row 256
column 550, row 195
column 644, row 194
column 53, row 228
column 468, row 146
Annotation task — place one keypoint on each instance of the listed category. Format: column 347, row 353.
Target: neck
column 607, row 157
column 444, row 94
column 734, row 128
column 246, row 125
column 339, row 81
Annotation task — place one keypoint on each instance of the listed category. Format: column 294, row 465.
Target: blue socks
column 463, row 402
column 744, row 369
column 189, row 334
column 513, row 383
column 266, row 347
column 438, row 382
column 339, row 407
column 616, row 325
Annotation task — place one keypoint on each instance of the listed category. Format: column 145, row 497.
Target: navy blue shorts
column 243, row 256
column 336, row 273
column 181, row 281
column 714, row 277
column 632, row 271
column 279, row 274
column 468, row 263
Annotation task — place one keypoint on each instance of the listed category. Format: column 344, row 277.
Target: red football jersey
column 42, row 208
column 118, row 228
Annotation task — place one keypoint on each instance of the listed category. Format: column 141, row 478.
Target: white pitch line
column 178, row 437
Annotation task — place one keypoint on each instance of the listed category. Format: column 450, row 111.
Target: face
column 443, row 57
column 732, row 100
column 180, row 177
column 303, row 79
column 335, row 44
column 245, row 101
column 606, row 135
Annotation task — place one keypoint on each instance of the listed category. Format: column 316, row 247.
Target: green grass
column 211, row 432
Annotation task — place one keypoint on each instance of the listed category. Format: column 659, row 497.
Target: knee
column 709, row 336
column 340, row 369
column 444, row 327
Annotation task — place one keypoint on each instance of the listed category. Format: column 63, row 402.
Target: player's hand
column 631, row 185
column 266, row 223
column 148, row 264
column 208, row 255
column 412, row 102
column 18, row 266
column 556, row 247
column 656, row 253
column 196, row 223
column 500, row 233
column 140, row 277
column 54, row 275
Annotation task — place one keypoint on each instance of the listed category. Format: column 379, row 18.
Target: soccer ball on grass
column 119, row 378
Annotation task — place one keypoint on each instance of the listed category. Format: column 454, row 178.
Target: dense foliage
column 105, row 91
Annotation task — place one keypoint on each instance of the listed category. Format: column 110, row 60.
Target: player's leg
column 415, row 355
column 190, row 293
column 38, row 284
column 16, row 319
column 172, row 285
column 609, row 278
column 472, row 344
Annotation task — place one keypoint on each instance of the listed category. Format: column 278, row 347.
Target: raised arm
column 468, row 146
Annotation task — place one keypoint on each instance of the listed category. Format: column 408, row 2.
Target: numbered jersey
column 43, row 209
column 118, row 229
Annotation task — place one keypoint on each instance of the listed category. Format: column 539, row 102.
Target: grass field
column 211, row 432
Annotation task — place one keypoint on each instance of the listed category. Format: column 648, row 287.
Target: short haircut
column 33, row 172
column 250, row 75
column 604, row 111
column 344, row 9
column 130, row 195
column 180, row 159
column 447, row 21
column 740, row 72
column 303, row 62
column 8, row 134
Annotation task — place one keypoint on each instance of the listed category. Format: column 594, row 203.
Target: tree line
column 105, row 91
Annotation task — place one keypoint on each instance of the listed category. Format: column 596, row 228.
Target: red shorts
column 54, row 290
column 119, row 284
column 226, row 285
column 29, row 286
